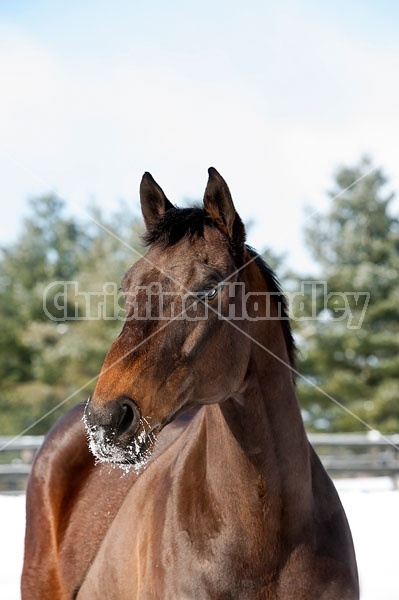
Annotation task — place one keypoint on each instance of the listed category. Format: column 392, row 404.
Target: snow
column 372, row 509
column 371, row 505
column 12, row 525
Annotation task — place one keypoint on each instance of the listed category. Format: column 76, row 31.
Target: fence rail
column 358, row 453
column 341, row 453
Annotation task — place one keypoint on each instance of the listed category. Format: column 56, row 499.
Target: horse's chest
column 211, row 566
column 206, row 549
column 178, row 535
column 179, row 547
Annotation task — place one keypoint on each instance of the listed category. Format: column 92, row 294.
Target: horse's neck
column 266, row 424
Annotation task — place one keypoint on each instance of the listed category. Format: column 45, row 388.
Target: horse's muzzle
column 119, row 419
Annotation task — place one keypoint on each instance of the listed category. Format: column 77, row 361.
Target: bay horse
column 219, row 494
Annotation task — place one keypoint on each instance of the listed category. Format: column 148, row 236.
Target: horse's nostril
column 126, row 419
column 129, row 417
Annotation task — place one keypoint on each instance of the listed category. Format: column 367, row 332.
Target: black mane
column 274, row 287
column 177, row 223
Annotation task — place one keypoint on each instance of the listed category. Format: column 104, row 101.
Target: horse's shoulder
column 64, row 448
column 70, row 504
column 55, row 471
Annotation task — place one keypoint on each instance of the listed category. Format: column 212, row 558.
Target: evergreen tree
column 45, row 358
column 351, row 350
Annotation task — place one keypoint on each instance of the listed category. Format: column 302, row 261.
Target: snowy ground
column 371, row 506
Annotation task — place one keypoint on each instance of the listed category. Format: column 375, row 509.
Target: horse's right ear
column 219, row 206
column 153, row 201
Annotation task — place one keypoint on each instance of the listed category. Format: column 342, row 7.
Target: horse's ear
column 219, row 206
column 153, row 201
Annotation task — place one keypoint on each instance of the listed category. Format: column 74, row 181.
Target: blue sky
column 275, row 95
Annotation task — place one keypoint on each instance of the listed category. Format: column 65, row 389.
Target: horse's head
column 176, row 348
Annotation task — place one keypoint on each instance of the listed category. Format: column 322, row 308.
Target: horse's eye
column 208, row 294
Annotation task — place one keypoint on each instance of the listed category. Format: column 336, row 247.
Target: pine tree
column 351, row 350
column 45, row 359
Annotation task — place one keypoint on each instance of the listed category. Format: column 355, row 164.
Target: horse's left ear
column 153, row 201
column 219, row 206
